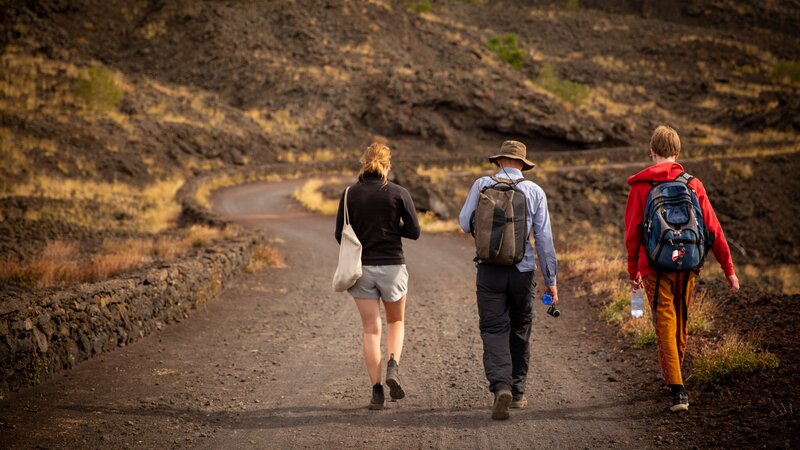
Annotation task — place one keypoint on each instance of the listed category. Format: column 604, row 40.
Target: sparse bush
column 98, row 89
column 701, row 312
column 572, row 5
column 732, row 357
column 200, row 235
column 507, row 49
column 617, row 309
column 419, row 6
column 265, row 256
column 740, row 170
column 566, row 90
column 429, row 223
column 787, row 71
column 311, row 198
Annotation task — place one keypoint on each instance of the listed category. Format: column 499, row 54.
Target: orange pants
column 670, row 302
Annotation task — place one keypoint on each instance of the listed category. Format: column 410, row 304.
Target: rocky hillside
column 135, row 89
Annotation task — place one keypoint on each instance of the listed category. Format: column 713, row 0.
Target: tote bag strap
column 346, row 213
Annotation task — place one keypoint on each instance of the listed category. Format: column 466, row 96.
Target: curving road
column 275, row 362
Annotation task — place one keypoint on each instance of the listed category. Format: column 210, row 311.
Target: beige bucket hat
column 514, row 150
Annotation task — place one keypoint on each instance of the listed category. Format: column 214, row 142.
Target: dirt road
column 276, row 363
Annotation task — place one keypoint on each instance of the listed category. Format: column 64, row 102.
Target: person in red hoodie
column 673, row 290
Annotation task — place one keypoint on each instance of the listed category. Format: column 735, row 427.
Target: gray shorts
column 389, row 283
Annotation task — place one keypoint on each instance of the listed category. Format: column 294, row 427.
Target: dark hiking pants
column 504, row 306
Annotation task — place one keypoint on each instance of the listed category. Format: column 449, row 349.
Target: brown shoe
column 500, row 408
column 518, row 402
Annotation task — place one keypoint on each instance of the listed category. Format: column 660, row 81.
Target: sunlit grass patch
column 320, row 155
column 429, row 223
column 642, row 329
column 572, row 5
column 605, row 276
column 97, row 88
column 419, row 6
column 265, row 256
column 732, row 357
column 310, row 196
column 439, row 173
column 566, row 90
column 701, row 312
column 201, row 235
column 787, row 71
column 62, row 262
column 507, row 48
column 151, row 208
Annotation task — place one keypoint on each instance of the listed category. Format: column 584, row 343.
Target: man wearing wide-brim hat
column 505, row 287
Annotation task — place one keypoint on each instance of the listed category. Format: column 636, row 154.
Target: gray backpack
column 499, row 223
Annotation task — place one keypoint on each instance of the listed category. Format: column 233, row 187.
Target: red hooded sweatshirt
column 634, row 215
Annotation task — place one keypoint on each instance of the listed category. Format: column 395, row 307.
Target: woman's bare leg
column 395, row 327
column 370, row 311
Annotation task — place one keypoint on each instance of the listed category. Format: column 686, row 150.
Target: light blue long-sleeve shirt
column 538, row 222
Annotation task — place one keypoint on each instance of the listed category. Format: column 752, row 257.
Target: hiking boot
column 378, row 400
column 501, row 401
column 518, row 402
column 680, row 399
column 393, row 379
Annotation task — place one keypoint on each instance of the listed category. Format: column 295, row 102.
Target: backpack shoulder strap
column 684, row 178
column 509, row 181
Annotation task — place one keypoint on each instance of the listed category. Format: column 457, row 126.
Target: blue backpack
column 673, row 231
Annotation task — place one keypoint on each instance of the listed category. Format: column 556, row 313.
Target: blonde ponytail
column 376, row 160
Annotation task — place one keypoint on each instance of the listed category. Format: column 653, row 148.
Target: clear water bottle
column 547, row 299
column 637, row 303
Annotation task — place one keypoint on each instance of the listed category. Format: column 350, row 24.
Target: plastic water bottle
column 547, row 299
column 637, row 303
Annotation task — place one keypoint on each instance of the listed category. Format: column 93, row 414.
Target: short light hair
column 665, row 142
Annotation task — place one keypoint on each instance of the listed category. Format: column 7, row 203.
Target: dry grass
column 566, row 90
column 310, row 196
column 201, row 235
column 265, row 256
column 62, row 262
column 320, row 155
column 732, row 357
column 152, row 208
column 439, row 173
column 429, row 223
column 702, row 311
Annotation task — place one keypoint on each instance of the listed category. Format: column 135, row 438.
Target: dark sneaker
column 680, row 400
column 393, row 379
column 518, row 402
column 502, row 400
column 378, row 400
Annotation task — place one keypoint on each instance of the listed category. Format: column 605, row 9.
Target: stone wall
column 44, row 332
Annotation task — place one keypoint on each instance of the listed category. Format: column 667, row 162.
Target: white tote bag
column 349, row 269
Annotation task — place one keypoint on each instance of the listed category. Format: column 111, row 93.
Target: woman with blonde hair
column 381, row 213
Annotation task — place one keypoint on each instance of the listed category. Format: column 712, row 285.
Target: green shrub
column 469, row 2
column 419, row 6
column 645, row 339
column 566, row 90
column 572, row 5
column 617, row 310
column 787, row 71
column 507, row 48
column 98, row 89
column 733, row 357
